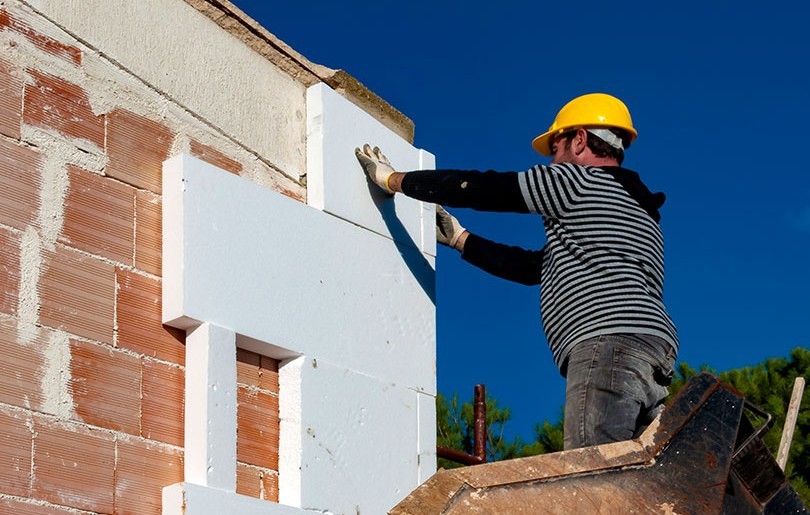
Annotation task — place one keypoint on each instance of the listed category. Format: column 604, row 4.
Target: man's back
column 603, row 266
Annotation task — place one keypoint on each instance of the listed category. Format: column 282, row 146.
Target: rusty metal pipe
column 480, row 423
column 479, row 433
column 457, row 456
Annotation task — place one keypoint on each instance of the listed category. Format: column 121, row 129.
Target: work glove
column 448, row 230
column 376, row 166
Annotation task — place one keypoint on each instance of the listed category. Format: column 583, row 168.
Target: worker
column 601, row 271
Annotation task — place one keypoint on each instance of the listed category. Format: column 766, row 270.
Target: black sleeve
column 511, row 263
column 483, row 191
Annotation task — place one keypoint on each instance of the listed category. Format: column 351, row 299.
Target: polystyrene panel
column 291, row 433
column 335, row 180
column 210, row 408
column 191, row 499
column 427, row 161
column 277, row 271
column 358, row 435
column 426, row 447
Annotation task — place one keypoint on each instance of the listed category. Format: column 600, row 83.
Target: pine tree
column 455, row 423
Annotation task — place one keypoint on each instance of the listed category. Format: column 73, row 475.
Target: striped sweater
column 602, row 268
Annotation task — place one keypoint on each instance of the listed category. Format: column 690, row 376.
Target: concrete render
column 188, row 58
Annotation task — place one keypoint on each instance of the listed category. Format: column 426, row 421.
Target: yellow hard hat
column 591, row 110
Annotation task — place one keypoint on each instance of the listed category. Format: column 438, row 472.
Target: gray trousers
column 616, row 385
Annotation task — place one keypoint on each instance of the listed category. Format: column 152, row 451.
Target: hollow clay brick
column 269, row 483
column 247, row 367
column 15, row 507
column 9, row 271
column 269, row 374
column 215, row 157
column 73, row 466
column 15, row 453
column 99, row 216
column 139, row 319
column 19, row 182
column 137, row 147
column 46, row 43
column 142, row 470
column 106, row 386
column 163, row 394
column 11, row 87
column 21, row 368
column 257, row 482
column 257, row 428
column 77, row 294
column 148, row 235
column 56, row 104
column 256, row 371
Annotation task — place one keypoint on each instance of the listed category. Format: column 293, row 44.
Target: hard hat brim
column 542, row 143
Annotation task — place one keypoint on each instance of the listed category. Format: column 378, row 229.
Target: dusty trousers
column 616, row 385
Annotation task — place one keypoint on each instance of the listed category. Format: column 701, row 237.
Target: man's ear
column 580, row 142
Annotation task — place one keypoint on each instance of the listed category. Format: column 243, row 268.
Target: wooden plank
column 790, row 422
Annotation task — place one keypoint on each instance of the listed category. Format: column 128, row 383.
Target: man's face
column 561, row 149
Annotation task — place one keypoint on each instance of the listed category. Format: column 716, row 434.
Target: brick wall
column 91, row 383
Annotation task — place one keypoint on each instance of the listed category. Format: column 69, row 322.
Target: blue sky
column 719, row 94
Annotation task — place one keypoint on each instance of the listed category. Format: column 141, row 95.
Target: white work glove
column 376, row 166
column 448, row 230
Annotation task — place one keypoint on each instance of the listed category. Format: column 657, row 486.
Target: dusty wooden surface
column 681, row 464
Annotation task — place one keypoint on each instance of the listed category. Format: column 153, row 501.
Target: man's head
column 591, row 129
column 589, row 146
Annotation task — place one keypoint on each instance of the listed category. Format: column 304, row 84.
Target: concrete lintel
column 210, row 413
column 351, row 88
